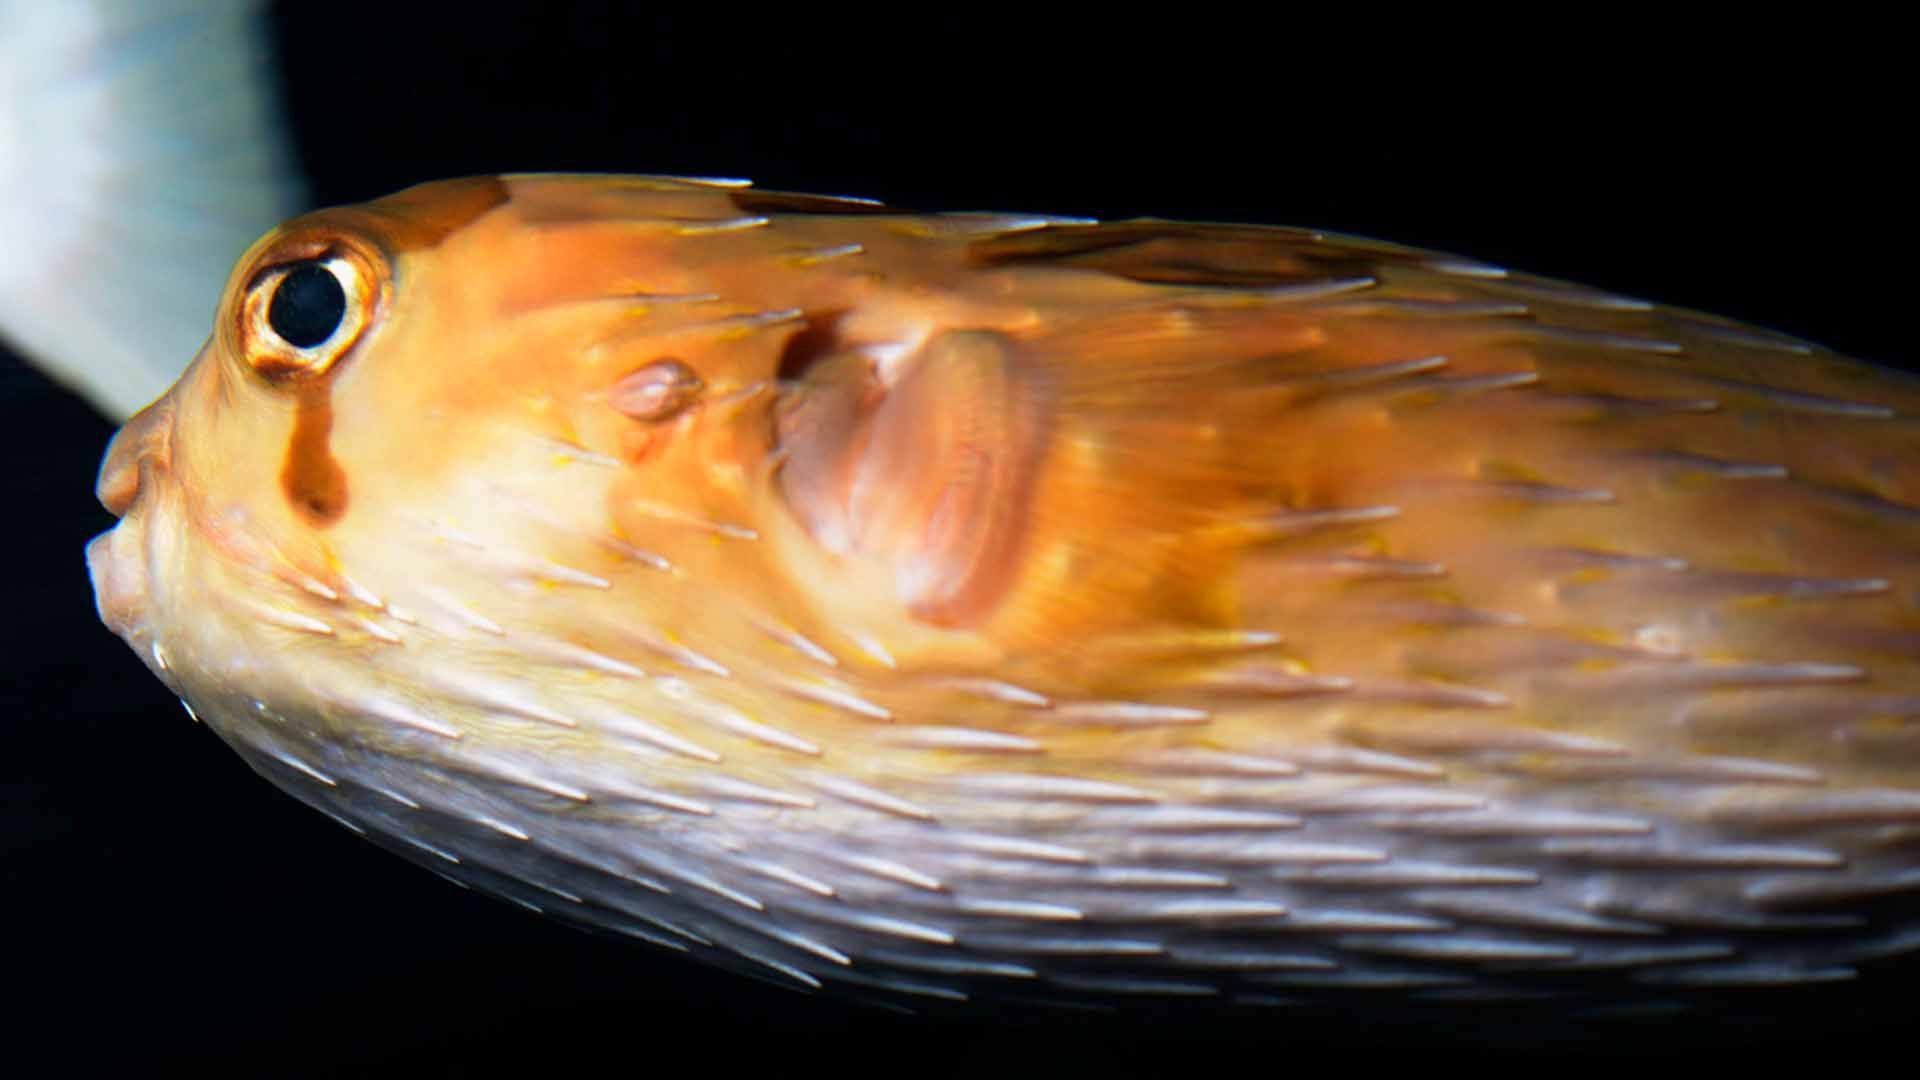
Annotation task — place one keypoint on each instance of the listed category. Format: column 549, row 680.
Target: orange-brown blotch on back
column 422, row 217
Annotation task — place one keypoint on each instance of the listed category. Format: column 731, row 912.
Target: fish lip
column 119, row 576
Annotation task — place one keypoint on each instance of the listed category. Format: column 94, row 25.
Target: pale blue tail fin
column 141, row 149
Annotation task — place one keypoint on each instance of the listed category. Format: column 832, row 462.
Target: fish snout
column 142, row 441
column 116, row 559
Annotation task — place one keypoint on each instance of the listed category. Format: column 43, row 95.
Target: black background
column 162, row 904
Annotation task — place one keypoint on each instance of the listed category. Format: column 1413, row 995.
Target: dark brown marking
column 314, row 483
column 417, row 219
column 420, row 217
column 1162, row 253
column 1064, row 242
column 749, row 201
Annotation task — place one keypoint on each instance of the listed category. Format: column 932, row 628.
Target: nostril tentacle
column 118, row 487
column 119, row 483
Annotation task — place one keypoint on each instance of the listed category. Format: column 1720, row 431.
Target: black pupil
column 307, row 306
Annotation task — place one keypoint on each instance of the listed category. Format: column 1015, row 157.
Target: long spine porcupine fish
column 973, row 604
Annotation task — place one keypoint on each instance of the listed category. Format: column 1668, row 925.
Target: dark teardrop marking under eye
column 308, row 306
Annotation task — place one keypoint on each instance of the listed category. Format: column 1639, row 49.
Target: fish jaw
column 118, row 573
column 132, row 486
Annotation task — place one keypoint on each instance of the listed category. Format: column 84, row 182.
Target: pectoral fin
column 929, row 474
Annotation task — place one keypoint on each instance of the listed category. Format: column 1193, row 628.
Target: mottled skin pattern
column 970, row 605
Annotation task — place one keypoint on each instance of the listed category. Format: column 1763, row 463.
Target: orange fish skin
column 965, row 604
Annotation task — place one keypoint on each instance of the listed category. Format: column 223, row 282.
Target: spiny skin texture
column 977, row 605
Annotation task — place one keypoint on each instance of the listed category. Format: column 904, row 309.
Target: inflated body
column 970, row 604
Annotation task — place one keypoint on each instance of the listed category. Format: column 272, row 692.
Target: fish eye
column 299, row 317
column 308, row 305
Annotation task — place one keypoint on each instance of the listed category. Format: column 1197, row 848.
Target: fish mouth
column 117, row 563
column 119, row 576
column 116, row 559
